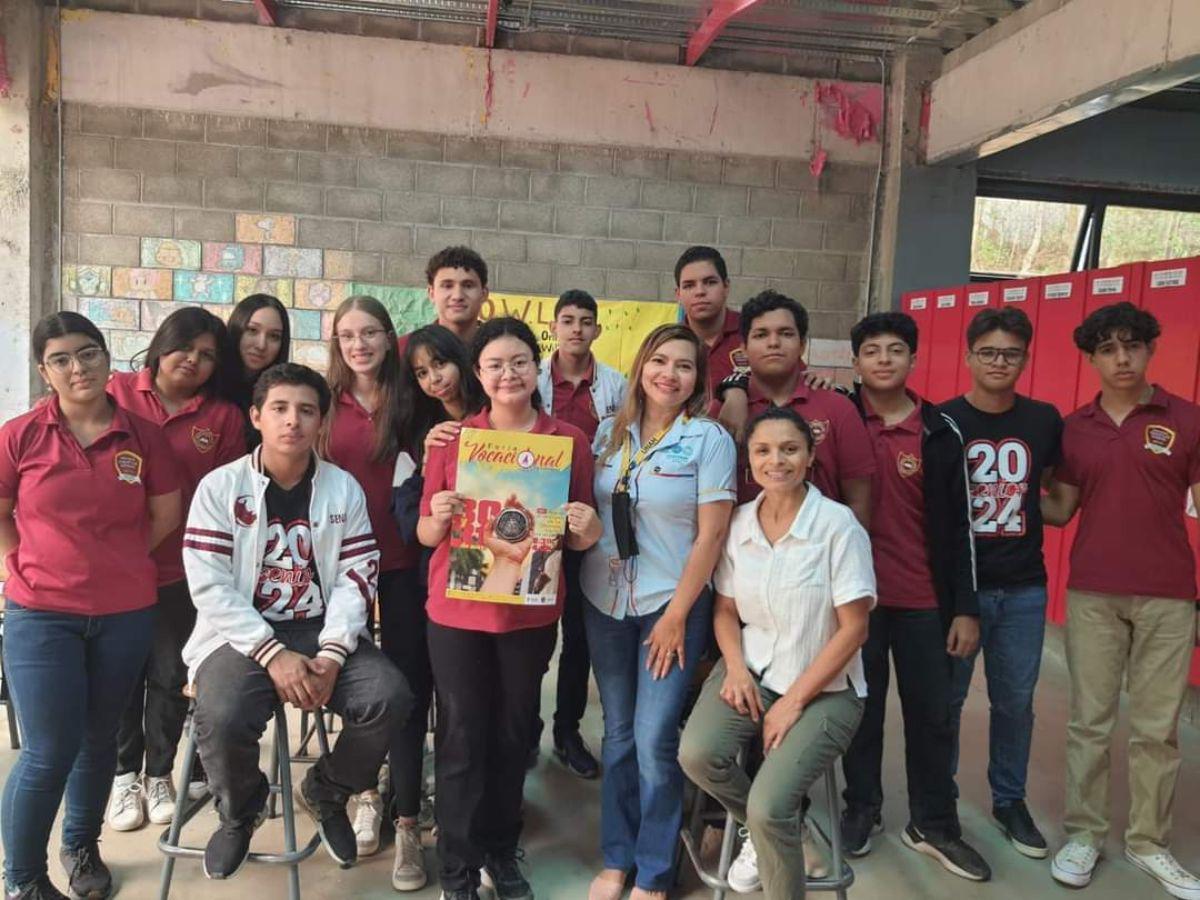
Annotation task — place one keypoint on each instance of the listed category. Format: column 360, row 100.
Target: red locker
column 945, row 343
column 1055, row 373
column 978, row 296
column 1105, row 287
column 1023, row 294
column 917, row 304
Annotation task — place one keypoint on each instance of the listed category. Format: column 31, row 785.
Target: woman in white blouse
column 797, row 571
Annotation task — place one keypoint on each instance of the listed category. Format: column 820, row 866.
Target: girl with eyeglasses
column 87, row 491
column 488, row 658
column 183, row 388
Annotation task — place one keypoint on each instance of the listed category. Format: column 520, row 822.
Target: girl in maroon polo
column 87, row 490
column 261, row 333
column 488, row 658
column 361, row 435
column 183, row 387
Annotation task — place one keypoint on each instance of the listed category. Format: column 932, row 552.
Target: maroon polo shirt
column 843, row 449
column 441, row 474
column 203, row 434
column 726, row 355
column 81, row 513
column 1133, row 481
column 351, row 441
column 898, row 544
column 572, row 403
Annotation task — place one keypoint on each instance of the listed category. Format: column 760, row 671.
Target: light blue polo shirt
column 694, row 463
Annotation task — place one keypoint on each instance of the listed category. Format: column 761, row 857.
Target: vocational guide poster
column 506, row 544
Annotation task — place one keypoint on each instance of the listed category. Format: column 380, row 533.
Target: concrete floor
column 563, row 812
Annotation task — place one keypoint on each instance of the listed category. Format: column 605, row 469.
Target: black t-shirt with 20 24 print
column 1006, row 455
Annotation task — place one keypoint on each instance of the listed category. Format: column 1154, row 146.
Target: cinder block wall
column 370, row 206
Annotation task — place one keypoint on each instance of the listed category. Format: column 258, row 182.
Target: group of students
column 226, row 519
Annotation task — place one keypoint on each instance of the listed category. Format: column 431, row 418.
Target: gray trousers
column 770, row 804
column 235, row 699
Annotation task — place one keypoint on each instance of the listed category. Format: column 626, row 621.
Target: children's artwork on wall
column 312, row 294
column 142, row 284
column 292, row 262
column 306, row 324
column 88, row 281
column 104, row 313
column 266, row 228
column 240, row 259
column 279, row 288
column 207, row 287
column 168, row 253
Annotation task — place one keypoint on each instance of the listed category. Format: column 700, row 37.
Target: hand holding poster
column 506, row 543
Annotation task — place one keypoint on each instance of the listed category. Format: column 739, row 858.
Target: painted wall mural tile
column 315, row 294
column 339, row 264
column 306, row 324
column 266, row 228
column 280, row 288
column 292, row 262
column 169, row 253
column 155, row 312
column 241, row 259
column 142, row 284
column 206, row 287
column 221, row 310
column 326, row 325
column 125, row 345
column 88, row 281
column 314, row 354
column 117, row 314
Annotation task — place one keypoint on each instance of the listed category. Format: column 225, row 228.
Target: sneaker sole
column 586, row 776
column 1024, row 849
column 745, row 887
column 860, row 852
column 1070, row 879
column 931, row 851
column 1174, row 890
column 312, row 814
column 486, row 880
column 411, row 884
column 368, row 849
column 93, row 895
column 140, row 823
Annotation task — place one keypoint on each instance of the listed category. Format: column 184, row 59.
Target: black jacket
column 948, row 534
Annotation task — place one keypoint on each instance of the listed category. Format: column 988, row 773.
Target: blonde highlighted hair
column 635, row 398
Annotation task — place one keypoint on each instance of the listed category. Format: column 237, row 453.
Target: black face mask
column 622, row 522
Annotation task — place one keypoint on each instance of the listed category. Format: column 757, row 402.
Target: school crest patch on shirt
column 242, row 513
column 129, row 467
column 204, row 439
column 907, row 464
column 739, row 360
column 820, row 428
column 1160, row 439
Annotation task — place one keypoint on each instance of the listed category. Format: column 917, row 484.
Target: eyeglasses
column 516, row 366
column 88, row 358
column 367, row 336
column 988, row 355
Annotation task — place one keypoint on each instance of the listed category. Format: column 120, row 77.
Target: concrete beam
column 1056, row 62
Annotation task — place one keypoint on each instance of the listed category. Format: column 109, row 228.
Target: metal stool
column 280, row 788
column 841, row 876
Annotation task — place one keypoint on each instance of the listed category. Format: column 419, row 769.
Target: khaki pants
column 1152, row 638
column 770, row 805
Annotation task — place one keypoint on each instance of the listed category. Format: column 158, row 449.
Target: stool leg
column 185, row 775
column 322, row 734
column 286, row 801
column 278, row 753
column 835, row 829
column 726, row 858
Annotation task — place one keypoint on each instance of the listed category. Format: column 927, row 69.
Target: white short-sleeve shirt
column 786, row 594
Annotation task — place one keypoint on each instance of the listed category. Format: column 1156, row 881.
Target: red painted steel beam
column 268, row 12
column 720, row 14
column 493, row 16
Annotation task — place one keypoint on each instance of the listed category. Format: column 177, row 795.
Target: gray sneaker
column 408, row 869
column 87, row 875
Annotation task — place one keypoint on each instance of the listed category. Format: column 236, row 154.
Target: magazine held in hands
column 506, row 545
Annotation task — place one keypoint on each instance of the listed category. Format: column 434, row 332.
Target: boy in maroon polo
column 457, row 279
column 702, row 288
column 927, row 614
column 1129, row 459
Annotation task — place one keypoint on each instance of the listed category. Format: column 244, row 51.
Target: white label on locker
column 1111, row 285
column 1168, row 278
column 917, row 303
column 945, row 301
column 977, row 298
column 1059, row 290
column 1016, row 294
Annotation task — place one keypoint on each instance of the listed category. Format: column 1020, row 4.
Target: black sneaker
column 1018, row 826
column 228, row 849
column 337, row 834
column 955, row 854
column 87, row 875
column 573, row 753
column 503, row 875
column 42, row 889
column 461, row 894
column 857, row 827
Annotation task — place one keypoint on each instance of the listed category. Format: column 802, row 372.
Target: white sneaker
column 1174, row 878
column 367, row 821
column 743, row 874
column 1074, row 863
column 160, row 800
column 815, row 864
column 408, row 868
column 385, row 779
column 126, row 811
column 197, row 790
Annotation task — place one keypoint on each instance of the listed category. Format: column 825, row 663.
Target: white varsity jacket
column 608, row 389
column 223, row 547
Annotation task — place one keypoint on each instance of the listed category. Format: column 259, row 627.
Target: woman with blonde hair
column 665, row 490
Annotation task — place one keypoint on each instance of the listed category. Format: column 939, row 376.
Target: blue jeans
column 1012, row 623
column 641, row 799
column 70, row 678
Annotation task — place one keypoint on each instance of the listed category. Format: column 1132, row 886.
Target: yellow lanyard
column 628, row 465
